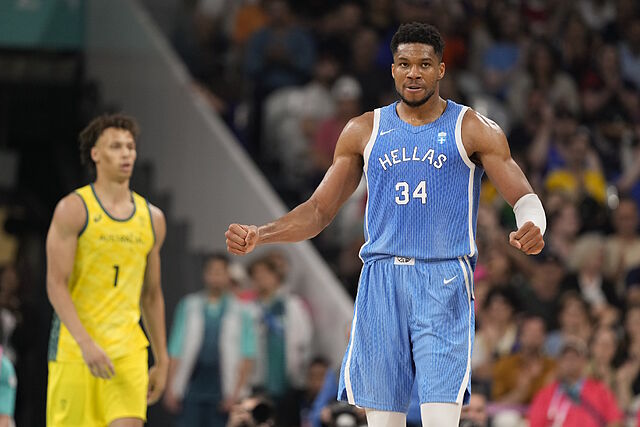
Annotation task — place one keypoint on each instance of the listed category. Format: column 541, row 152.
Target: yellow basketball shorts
column 77, row 398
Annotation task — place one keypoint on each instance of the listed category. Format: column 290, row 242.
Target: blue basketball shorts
column 413, row 321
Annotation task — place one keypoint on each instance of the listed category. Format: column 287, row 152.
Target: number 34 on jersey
column 403, row 190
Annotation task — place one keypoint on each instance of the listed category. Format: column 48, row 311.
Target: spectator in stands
column 574, row 321
column 627, row 182
column 547, row 151
column 622, row 248
column 574, row 399
column 632, row 293
column 540, row 295
column 292, row 115
column 575, row 47
column 518, row 377
column 8, row 384
column 597, row 14
column 10, row 308
column 256, row 410
column 504, row 55
column 346, row 94
column 475, row 413
column 631, row 327
column 523, row 132
column 543, row 74
column 200, row 36
column 284, row 333
column 304, row 406
column 564, row 227
column 496, row 333
column 212, row 349
column 605, row 88
column 604, row 348
column 630, row 52
column 248, row 18
column 338, row 27
column 370, row 75
column 581, row 176
column 280, row 54
column 481, row 288
column 500, row 269
column 586, row 278
column 614, row 140
column 628, row 374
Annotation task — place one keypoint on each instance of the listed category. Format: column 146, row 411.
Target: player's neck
column 425, row 113
column 112, row 192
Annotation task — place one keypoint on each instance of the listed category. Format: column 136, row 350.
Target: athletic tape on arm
column 529, row 208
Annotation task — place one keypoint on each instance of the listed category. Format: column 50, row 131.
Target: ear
column 441, row 70
column 393, row 70
column 95, row 154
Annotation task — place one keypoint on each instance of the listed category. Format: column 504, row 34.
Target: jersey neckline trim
column 416, row 129
column 93, row 190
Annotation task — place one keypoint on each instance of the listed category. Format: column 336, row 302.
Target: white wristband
column 529, row 208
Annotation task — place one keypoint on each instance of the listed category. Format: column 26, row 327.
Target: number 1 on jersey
column 115, row 280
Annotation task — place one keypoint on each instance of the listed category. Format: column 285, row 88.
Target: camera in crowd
column 345, row 415
column 255, row 411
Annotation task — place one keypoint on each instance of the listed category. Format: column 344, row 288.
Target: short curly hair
column 418, row 32
column 89, row 135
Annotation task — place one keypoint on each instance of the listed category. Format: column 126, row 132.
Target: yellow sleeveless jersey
column 107, row 278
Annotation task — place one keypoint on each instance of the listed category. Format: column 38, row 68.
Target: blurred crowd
column 559, row 332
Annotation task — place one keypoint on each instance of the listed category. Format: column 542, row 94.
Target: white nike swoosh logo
column 387, row 131
column 447, row 281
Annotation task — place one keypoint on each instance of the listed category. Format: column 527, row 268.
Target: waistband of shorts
column 408, row 261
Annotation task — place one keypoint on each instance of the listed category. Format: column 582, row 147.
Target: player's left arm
column 152, row 305
column 486, row 142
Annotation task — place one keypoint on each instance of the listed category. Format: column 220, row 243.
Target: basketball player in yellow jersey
column 103, row 270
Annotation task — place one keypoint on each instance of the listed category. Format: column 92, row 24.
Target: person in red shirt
column 574, row 400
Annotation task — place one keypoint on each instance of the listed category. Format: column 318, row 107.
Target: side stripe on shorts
column 466, row 269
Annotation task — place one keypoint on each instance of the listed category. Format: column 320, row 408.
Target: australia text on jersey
column 129, row 238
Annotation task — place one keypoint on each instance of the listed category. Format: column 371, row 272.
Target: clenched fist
column 528, row 239
column 241, row 239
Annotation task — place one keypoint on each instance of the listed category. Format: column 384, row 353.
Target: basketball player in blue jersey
column 422, row 158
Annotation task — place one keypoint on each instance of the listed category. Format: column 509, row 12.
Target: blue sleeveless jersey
column 422, row 188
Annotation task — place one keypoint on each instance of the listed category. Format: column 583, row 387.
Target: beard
column 417, row 103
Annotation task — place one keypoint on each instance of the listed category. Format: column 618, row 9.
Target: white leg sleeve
column 376, row 418
column 440, row 414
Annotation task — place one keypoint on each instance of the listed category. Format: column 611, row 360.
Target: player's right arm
column 311, row 217
column 69, row 218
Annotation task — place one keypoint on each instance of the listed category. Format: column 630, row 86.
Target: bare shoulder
column 481, row 134
column 70, row 213
column 362, row 123
column 356, row 133
column 156, row 213
column 159, row 222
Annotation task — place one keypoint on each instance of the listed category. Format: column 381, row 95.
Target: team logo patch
column 401, row 260
column 97, row 218
column 442, row 137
